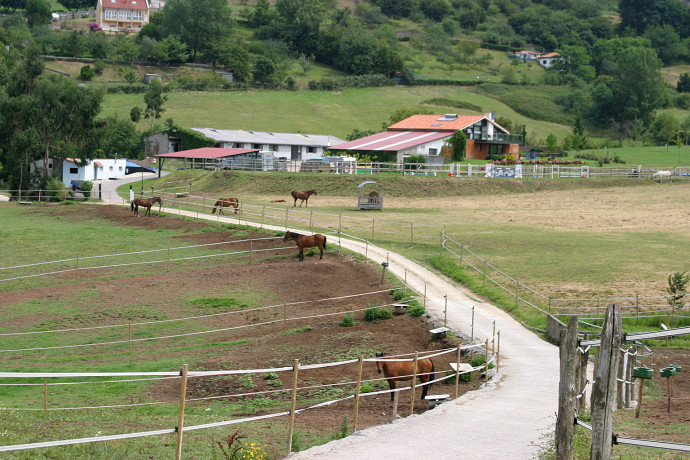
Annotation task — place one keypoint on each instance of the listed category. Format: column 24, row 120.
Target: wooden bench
column 181, row 194
column 433, row 400
column 439, row 332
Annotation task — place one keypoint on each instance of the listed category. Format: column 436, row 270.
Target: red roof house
column 427, row 134
column 122, row 15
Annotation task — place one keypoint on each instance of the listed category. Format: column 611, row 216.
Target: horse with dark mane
column 395, row 371
column 225, row 203
column 304, row 241
column 304, row 196
column 145, row 203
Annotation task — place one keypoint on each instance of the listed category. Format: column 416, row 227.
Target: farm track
column 509, row 419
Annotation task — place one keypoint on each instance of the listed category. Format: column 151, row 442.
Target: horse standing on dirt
column 304, row 196
column 145, row 203
column 225, row 203
column 304, row 241
column 395, row 371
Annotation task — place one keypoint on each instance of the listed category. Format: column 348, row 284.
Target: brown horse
column 304, row 241
column 304, row 196
column 145, row 203
column 225, row 203
column 395, row 371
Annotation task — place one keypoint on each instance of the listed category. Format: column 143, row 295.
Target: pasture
column 223, row 294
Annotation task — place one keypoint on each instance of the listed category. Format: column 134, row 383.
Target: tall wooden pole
column 457, row 373
column 565, row 425
column 183, row 399
column 359, row 384
column 414, row 381
column 295, row 370
column 604, row 388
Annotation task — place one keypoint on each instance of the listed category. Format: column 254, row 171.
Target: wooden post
column 311, row 221
column 183, row 399
column 565, row 426
column 498, row 352
column 411, row 233
column 639, row 398
column 45, row 396
column 295, row 370
column 604, row 388
column 472, row 329
column 582, row 377
column 129, row 325
column 287, row 211
column 620, row 375
column 405, row 282
column 251, row 250
column 263, row 212
column 517, row 291
column 167, row 265
column 373, row 225
column 284, row 316
column 76, row 273
column 668, row 392
column 359, row 384
column 486, row 364
column 628, row 378
column 457, row 373
column 493, row 340
column 414, row 381
column 461, row 249
column 425, row 295
column 485, row 273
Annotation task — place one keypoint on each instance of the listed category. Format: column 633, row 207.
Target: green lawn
column 314, row 112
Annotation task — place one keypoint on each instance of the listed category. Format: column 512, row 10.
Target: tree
column 676, row 289
column 666, row 42
column 458, row 143
column 263, row 70
column 171, row 50
column 11, row 5
column 298, row 23
column 126, row 48
column 135, row 114
column 359, row 133
column 37, row 12
column 117, row 136
column 154, row 99
column 131, row 76
column 401, row 114
column 552, row 143
column 198, row 23
column 236, row 59
column 683, row 85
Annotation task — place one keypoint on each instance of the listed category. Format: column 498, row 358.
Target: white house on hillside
column 547, row 60
column 71, row 169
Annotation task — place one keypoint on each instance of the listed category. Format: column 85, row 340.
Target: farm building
column 71, row 169
column 291, row 146
column 427, row 134
column 220, row 158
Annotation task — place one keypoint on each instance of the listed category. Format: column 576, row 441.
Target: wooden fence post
column 359, row 384
column 565, row 425
column 498, row 352
column 457, row 373
column 486, row 364
column 582, row 377
column 295, row 370
column 414, row 381
column 45, row 396
column 183, row 398
column 604, row 388
column 472, row 329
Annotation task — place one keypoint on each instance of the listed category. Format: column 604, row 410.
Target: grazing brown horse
column 225, row 203
column 304, row 196
column 145, row 203
column 395, row 371
column 304, row 241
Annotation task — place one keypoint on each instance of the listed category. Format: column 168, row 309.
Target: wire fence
column 356, row 391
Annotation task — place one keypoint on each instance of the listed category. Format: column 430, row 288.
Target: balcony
column 499, row 138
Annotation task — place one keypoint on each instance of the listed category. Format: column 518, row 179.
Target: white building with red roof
column 427, row 135
column 122, row 15
column 546, row 60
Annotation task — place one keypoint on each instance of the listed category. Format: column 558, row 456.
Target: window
column 74, row 170
column 138, row 15
column 256, row 146
column 311, row 149
column 433, row 151
column 120, row 168
column 111, row 14
column 124, row 15
column 274, row 147
column 111, row 168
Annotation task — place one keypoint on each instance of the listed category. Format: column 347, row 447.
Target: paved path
column 507, row 420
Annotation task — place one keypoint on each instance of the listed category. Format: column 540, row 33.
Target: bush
column 416, row 310
column 98, row 67
column 376, row 313
column 348, row 320
column 87, row 73
column 56, row 189
column 86, row 188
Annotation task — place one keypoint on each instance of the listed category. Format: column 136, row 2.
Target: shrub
column 376, row 313
column 56, row 189
column 272, row 380
column 416, row 310
column 87, row 73
column 348, row 320
column 86, row 188
column 366, row 388
column 98, row 67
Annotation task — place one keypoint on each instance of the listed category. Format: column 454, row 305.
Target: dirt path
column 508, row 419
